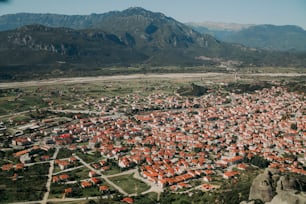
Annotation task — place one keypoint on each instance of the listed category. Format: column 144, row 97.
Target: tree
column 294, row 126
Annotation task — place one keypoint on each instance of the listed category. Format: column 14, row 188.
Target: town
column 124, row 146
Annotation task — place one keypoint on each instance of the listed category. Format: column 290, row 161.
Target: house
column 96, row 166
column 95, row 181
column 7, row 167
column 230, row 174
column 207, row 178
column 207, row 187
column 72, row 159
column 92, row 174
column 128, row 200
column 67, row 191
column 103, row 189
column 45, row 158
column 242, row 166
column 64, row 165
column 64, row 177
column 105, row 168
column 86, row 184
column 124, row 162
column 19, row 166
column 55, row 179
column 183, row 185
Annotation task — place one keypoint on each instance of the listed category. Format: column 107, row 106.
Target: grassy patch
column 149, row 198
column 79, row 174
column 130, row 184
column 114, row 169
column 89, row 158
column 64, row 153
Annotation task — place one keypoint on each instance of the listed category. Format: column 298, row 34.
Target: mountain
column 133, row 37
column 13, row 21
column 41, row 51
column 219, row 26
column 269, row 37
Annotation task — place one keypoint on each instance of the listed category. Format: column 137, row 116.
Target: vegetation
column 64, row 153
column 239, row 87
column 90, row 158
column 60, row 51
column 258, row 161
column 29, row 186
column 130, row 184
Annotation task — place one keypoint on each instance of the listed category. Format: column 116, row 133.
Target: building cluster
column 174, row 139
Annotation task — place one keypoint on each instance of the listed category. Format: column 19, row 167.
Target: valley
column 149, row 138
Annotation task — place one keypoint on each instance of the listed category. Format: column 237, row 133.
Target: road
column 102, row 176
column 67, row 170
column 45, row 199
column 154, row 187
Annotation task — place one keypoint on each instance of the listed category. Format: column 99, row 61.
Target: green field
column 130, row 184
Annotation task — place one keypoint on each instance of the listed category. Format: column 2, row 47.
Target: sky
column 277, row 12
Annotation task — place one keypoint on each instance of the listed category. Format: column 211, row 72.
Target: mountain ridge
column 133, row 37
column 265, row 36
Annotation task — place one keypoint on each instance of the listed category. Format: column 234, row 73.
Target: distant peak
column 140, row 11
column 136, row 10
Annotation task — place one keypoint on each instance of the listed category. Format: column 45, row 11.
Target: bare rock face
column 286, row 183
column 245, row 202
column 261, row 188
column 288, row 197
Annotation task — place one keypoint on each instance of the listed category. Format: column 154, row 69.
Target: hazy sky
column 278, row 12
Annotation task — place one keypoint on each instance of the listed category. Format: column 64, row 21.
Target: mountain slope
column 64, row 44
column 13, row 21
column 269, row 37
column 134, row 37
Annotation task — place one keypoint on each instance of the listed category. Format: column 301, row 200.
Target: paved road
column 45, row 199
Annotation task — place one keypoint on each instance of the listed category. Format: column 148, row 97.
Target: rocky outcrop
column 261, row 188
column 287, row 183
column 289, row 197
column 273, row 188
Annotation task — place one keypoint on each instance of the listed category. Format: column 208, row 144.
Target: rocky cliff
column 272, row 187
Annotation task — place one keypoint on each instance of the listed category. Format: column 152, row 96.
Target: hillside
column 133, row 37
column 269, row 37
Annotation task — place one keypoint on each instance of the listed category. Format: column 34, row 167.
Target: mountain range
column 269, row 37
column 49, row 43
